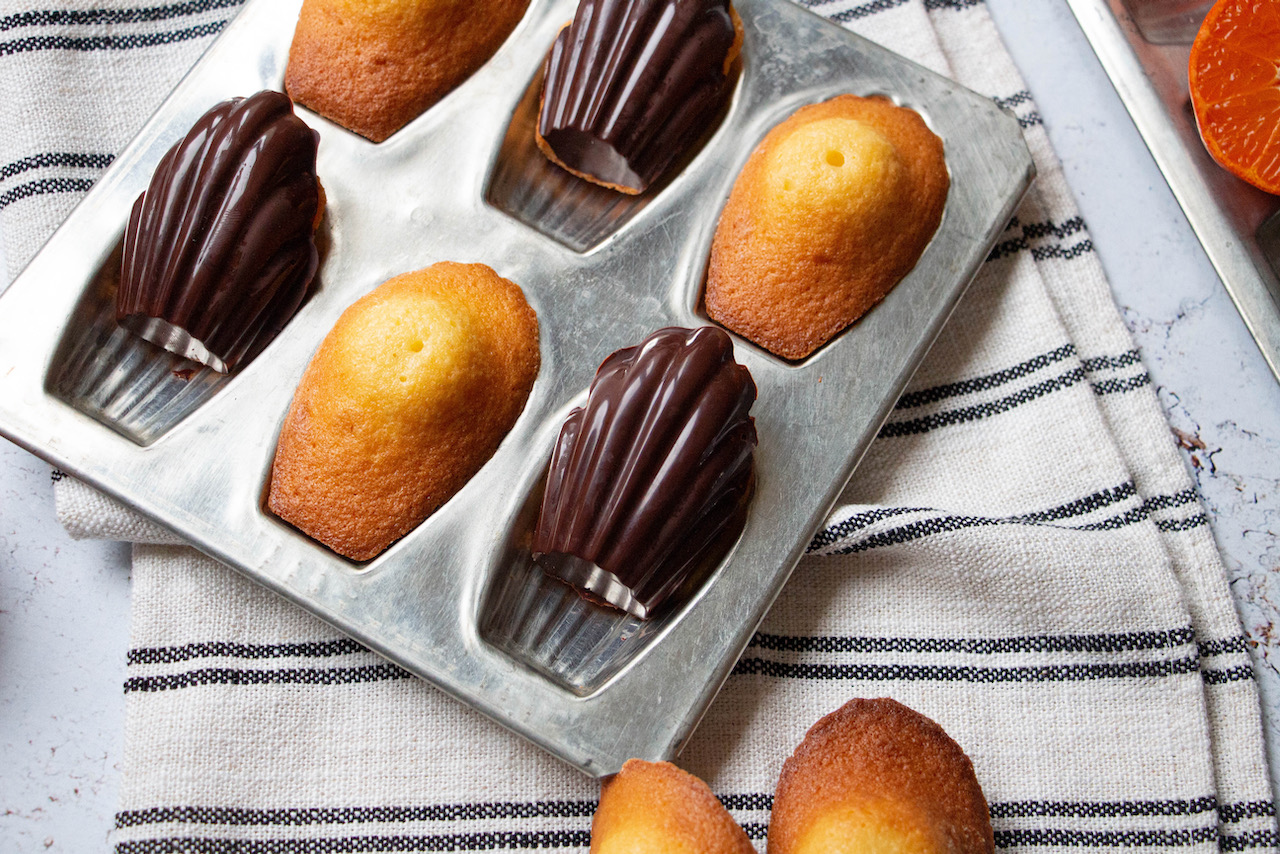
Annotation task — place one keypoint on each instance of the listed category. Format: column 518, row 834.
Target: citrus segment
column 1234, row 75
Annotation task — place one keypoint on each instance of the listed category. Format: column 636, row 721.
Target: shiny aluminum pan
column 441, row 601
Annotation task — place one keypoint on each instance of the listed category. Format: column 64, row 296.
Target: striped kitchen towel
column 1021, row 556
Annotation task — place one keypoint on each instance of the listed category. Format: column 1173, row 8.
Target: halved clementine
column 1235, row 88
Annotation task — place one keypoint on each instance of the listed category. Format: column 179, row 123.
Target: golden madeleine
column 655, row 808
column 408, row 396
column 372, row 66
column 832, row 209
column 876, row 776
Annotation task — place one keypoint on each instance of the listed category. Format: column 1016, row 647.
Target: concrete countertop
column 64, row 604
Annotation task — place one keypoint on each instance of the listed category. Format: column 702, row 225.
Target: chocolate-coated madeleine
column 875, row 775
column 653, row 472
column 831, row 210
column 655, row 808
column 408, row 396
column 220, row 248
column 630, row 85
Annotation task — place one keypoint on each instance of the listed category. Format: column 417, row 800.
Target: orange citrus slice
column 1235, row 88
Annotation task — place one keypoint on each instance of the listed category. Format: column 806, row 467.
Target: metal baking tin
column 100, row 405
column 1237, row 224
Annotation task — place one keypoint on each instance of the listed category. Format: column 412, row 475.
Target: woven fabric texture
column 1021, row 556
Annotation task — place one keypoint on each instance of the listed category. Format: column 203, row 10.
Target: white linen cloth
column 1021, row 556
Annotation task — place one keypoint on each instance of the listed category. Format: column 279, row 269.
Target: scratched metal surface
column 193, row 450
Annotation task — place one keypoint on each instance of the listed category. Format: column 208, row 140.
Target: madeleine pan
column 457, row 601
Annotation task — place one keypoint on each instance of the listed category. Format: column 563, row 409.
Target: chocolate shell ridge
column 220, row 248
column 630, row 85
column 654, row 471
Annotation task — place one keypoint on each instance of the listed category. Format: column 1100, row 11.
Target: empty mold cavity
column 136, row 388
column 527, row 186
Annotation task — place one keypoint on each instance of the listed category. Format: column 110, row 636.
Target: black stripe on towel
column 1078, row 507
column 85, row 44
column 747, row 801
column 1095, row 643
column 491, row 841
column 951, row 4
column 1177, row 499
column 1017, row 99
column 1240, row 673
column 863, row 11
column 1046, row 228
column 288, row 676
column 1224, row 646
column 1246, row 841
column 742, row 802
column 987, row 381
column 947, row 523
column 746, row 666
column 1111, row 363
column 1102, row 809
column 191, row 651
column 983, row 410
column 45, row 186
column 1129, row 517
column 1062, row 253
column 1120, row 386
column 857, row 522
column 1031, row 119
column 966, row 673
column 581, row 839
column 1038, row 230
column 1227, row 813
column 52, row 159
column 866, row 10
column 89, row 17
column 1098, row 643
column 933, row 394
column 1170, row 525
column 1061, row 838
column 244, row 817
column 1232, row 813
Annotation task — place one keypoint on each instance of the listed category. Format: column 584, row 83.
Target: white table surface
column 64, row 604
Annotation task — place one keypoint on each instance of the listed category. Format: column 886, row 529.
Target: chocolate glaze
column 631, row 84
column 652, row 472
column 220, row 248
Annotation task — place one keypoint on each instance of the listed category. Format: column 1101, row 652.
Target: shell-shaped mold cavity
column 653, row 474
column 630, row 85
column 220, row 248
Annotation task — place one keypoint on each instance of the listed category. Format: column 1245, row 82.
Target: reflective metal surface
column 458, row 601
column 1228, row 215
